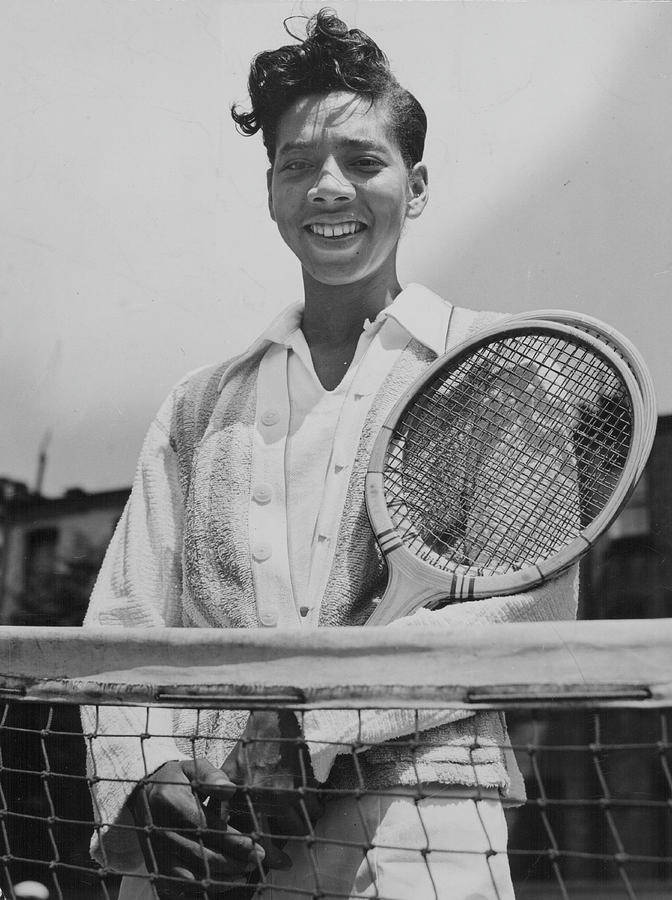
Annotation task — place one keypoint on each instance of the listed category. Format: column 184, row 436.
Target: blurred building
column 51, row 550
column 628, row 575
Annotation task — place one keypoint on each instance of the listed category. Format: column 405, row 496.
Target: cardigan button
column 270, row 417
column 262, row 492
column 262, row 551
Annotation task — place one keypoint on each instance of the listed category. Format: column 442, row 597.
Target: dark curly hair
column 330, row 58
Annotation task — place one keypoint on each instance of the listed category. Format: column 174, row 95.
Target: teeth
column 339, row 230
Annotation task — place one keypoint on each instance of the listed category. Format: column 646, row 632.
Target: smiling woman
column 340, row 192
column 270, row 529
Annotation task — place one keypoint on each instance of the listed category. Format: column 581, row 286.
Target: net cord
column 571, row 663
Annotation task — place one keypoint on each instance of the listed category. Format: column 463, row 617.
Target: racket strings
column 504, row 457
column 612, row 413
column 527, row 470
column 505, row 522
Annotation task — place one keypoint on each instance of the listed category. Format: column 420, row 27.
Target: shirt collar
column 423, row 314
column 284, row 325
column 279, row 331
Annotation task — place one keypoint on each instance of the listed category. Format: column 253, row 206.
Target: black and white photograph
column 335, row 467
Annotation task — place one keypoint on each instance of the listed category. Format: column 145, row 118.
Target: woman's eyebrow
column 289, row 146
column 364, row 144
column 350, row 143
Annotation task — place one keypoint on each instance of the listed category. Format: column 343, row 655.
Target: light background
column 134, row 239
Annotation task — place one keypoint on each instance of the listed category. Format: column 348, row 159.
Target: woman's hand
column 184, row 840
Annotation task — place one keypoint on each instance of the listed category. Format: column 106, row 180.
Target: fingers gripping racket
column 504, row 463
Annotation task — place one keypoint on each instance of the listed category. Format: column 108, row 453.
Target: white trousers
column 443, row 847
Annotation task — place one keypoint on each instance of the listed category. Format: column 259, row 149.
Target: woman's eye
column 368, row 162
column 296, row 165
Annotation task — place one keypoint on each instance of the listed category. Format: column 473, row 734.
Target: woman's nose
column 331, row 186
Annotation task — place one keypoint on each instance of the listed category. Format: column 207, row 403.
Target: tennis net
column 588, row 709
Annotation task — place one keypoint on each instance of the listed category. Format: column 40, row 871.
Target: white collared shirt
column 305, row 441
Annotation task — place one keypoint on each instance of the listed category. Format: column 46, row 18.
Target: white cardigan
column 180, row 557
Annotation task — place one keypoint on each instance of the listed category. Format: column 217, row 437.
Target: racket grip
column 403, row 595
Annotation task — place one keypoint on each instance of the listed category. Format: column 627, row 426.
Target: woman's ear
column 269, row 182
column 418, row 186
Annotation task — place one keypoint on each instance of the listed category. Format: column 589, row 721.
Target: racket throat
column 403, row 595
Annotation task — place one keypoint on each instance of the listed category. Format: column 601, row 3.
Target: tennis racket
column 505, row 462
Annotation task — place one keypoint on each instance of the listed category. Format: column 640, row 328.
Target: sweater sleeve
column 139, row 584
column 330, row 732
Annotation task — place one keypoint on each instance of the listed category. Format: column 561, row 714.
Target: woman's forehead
column 342, row 116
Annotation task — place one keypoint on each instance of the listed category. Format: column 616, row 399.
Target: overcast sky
column 134, row 239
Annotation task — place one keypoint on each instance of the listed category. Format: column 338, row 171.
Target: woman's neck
column 334, row 318
column 335, row 314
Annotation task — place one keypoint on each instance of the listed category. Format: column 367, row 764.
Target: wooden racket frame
column 419, row 583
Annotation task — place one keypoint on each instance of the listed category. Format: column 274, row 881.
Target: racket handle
column 403, row 595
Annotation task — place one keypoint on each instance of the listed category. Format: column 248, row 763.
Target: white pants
column 464, row 842
column 459, row 834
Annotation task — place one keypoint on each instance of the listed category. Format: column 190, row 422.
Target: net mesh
column 596, row 762
column 511, row 434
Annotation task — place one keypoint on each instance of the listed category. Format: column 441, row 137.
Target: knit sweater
column 180, row 557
